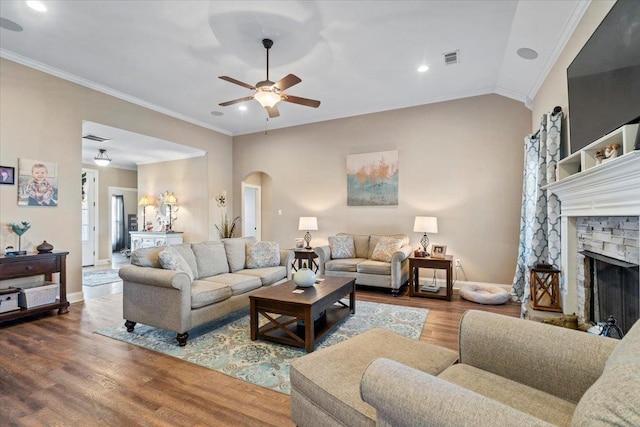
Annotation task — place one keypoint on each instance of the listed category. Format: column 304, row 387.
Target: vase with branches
column 227, row 226
column 20, row 228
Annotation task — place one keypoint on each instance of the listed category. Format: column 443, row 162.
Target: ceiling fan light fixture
column 102, row 159
column 267, row 98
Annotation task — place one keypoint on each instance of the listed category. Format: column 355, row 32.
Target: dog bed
column 484, row 294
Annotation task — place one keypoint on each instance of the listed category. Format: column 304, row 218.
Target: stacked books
column 430, row 288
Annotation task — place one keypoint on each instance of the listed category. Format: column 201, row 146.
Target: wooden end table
column 300, row 319
column 305, row 254
column 415, row 263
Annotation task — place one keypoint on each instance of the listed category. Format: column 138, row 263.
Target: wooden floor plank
column 55, row 370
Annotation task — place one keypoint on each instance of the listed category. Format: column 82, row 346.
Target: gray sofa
column 511, row 372
column 366, row 262
column 201, row 282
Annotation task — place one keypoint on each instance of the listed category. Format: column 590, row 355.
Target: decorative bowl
column 304, row 278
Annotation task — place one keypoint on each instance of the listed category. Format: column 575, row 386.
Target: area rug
column 100, row 277
column 225, row 345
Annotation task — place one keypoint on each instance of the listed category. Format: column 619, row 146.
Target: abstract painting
column 372, row 179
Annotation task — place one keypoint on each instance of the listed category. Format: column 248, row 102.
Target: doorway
column 123, row 206
column 89, row 216
column 251, row 210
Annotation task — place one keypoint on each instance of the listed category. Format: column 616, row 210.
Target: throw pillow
column 170, row 259
column 263, row 254
column 385, row 249
column 342, row 247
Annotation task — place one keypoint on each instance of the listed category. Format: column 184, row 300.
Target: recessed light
column 423, row 68
column 217, row 113
column 526, row 53
column 37, row 5
column 242, row 108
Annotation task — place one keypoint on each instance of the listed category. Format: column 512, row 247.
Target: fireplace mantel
column 609, row 189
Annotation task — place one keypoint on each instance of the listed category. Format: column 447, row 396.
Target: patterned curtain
column 540, row 223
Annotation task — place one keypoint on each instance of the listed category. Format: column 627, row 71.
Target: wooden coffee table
column 300, row 319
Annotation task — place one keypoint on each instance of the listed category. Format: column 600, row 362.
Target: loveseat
column 179, row 287
column 373, row 260
column 511, row 372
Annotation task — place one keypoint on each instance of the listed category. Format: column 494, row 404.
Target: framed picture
column 299, row 243
column 438, row 251
column 37, row 183
column 7, row 175
column 372, row 179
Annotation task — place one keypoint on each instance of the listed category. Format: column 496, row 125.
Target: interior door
column 88, row 232
column 251, row 207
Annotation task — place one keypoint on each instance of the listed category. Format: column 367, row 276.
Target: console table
column 148, row 239
column 415, row 263
column 35, row 265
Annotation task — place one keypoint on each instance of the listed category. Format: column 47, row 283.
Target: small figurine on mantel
column 611, row 152
column 599, row 156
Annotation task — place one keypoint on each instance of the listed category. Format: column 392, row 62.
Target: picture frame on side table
column 7, row 175
column 299, row 243
column 438, row 251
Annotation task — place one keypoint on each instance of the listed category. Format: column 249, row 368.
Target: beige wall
column 181, row 178
column 460, row 161
column 41, row 118
column 554, row 89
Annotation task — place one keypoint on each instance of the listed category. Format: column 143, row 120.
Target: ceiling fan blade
column 236, row 101
column 238, row 82
column 287, row 82
column 302, row 101
column 273, row 111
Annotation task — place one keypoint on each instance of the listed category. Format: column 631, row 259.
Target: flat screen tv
column 604, row 78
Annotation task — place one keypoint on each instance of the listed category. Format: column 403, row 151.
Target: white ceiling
column 356, row 57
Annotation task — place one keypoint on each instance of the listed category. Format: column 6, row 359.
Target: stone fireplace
column 600, row 216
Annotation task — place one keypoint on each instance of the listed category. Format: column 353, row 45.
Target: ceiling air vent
column 451, row 57
column 95, row 138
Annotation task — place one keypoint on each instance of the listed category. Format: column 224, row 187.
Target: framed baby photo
column 37, row 183
column 438, row 251
column 7, row 175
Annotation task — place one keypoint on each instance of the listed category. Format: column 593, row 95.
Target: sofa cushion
column 185, row 250
column 374, row 267
column 526, row 399
column 239, row 283
column 373, row 241
column 262, row 254
column 147, row 257
column 348, row 264
column 267, row 275
column 614, row 399
column 361, row 242
column 211, row 258
column 204, row 292
column 235, row 249
column 172, row 259
column 385, row 248
column 342, row 247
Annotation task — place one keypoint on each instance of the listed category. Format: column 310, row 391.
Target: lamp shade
column 308, row 223
column 170, row 199
column 425, row 224
column 144, row 201
column 267, row 98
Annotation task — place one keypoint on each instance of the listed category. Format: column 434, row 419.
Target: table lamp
column 170, row 201
column 308, row 223
column 144, row 202
column 425, row 224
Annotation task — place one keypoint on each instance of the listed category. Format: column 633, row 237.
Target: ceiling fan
column 268, row 93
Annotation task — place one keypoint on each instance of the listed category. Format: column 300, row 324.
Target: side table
column 307, row 255
column 545, row 288
column 415, row 263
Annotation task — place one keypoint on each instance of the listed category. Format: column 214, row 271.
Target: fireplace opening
column 614, row 289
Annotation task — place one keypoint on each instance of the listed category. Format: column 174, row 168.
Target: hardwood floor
column 54, row 370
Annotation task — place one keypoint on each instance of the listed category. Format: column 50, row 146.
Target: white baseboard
column 75, row 297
